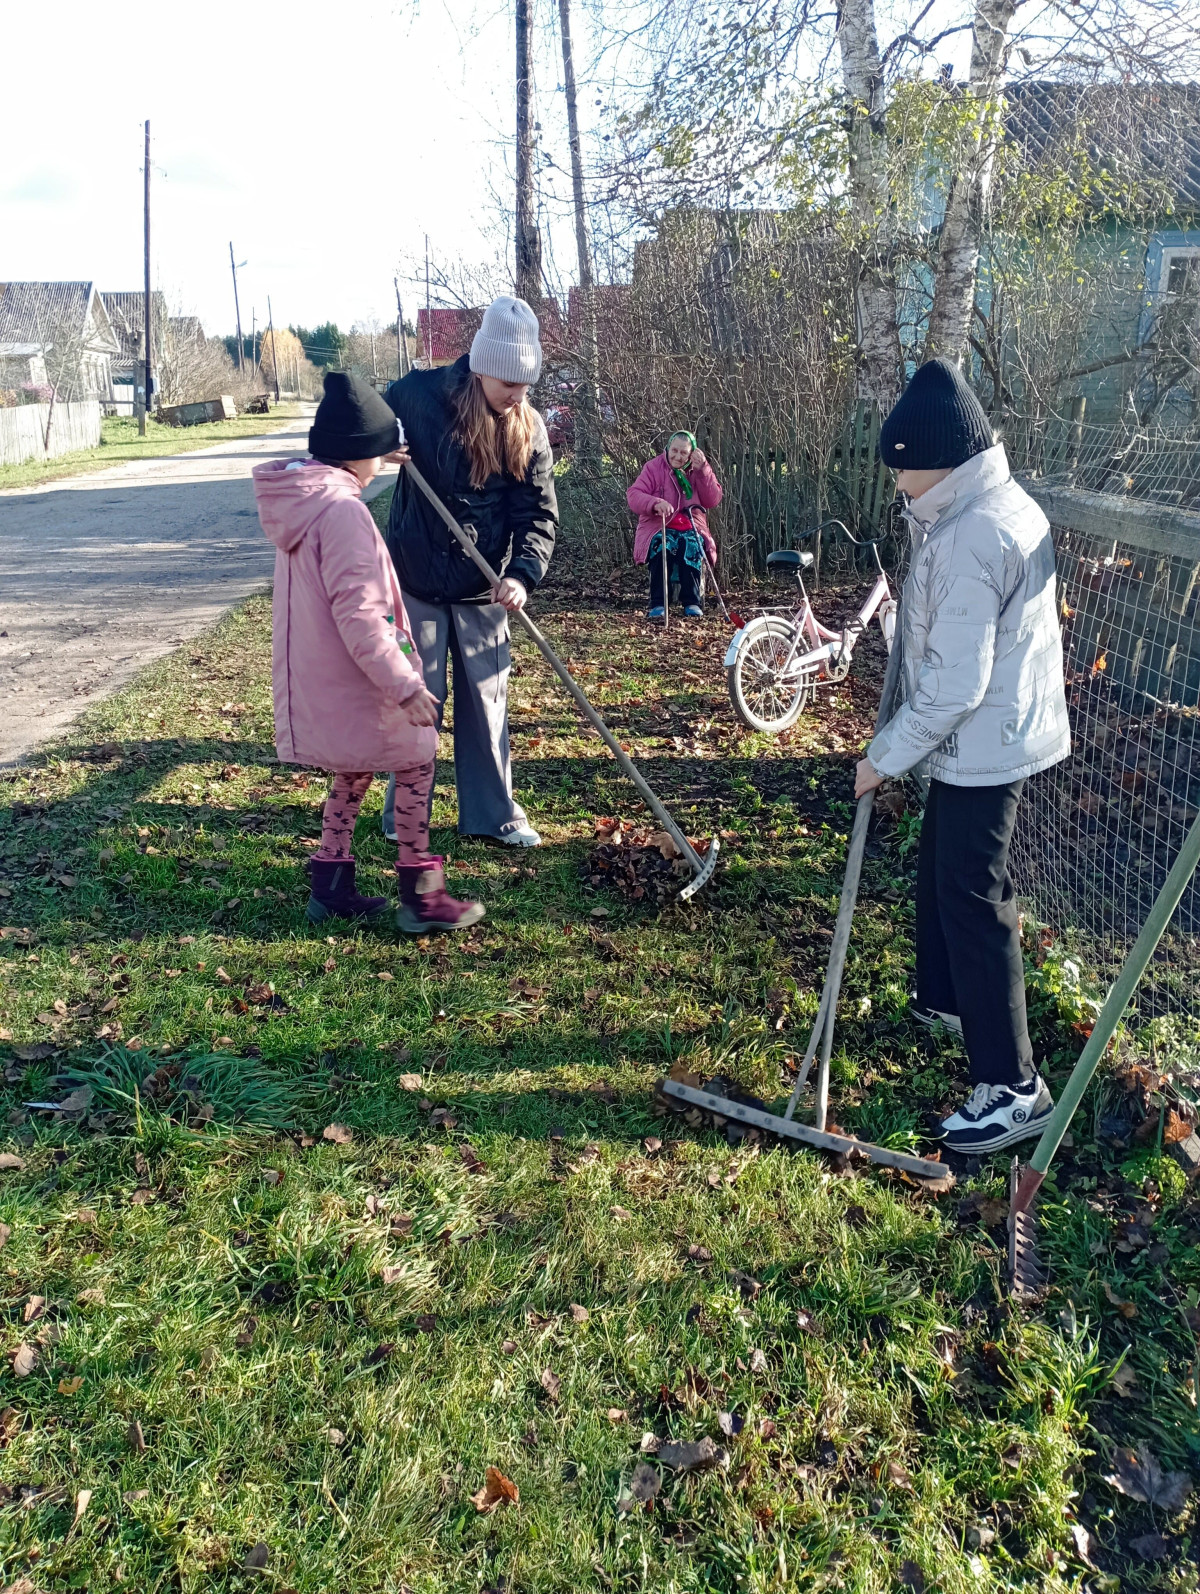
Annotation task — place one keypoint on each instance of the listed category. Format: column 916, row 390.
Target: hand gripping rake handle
column 703, row 867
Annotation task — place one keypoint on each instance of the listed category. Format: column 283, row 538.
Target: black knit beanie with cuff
column 937, row 423
column 352, row 421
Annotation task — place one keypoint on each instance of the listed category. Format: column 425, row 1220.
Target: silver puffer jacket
column 983, row 671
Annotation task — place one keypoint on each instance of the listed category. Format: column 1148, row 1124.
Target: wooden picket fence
column 23, row 430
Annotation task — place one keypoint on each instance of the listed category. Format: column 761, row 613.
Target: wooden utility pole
column 587, row 407
column 401, row 340
column 428, row 313
column 528, row 279
column 241, row 363
column 253, row 343
column 274, row 348
column 149, row 330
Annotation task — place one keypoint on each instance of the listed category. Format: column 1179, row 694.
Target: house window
column 1180, row 274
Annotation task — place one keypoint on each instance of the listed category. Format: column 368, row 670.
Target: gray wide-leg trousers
column 476, row 637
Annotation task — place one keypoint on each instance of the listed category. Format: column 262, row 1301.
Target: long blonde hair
column 494, row 442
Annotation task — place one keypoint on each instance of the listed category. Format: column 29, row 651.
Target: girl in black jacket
column 483, row 448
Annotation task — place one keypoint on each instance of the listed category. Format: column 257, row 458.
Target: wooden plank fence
column 23, row 430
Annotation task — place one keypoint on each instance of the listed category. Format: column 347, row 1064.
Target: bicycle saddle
column 787, row 559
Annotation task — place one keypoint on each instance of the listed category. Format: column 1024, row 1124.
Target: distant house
column 127, row 313
column 444, row 336
column 1141, row 257
column 57, row 335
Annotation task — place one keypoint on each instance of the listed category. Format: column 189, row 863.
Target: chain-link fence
column 1099, row 832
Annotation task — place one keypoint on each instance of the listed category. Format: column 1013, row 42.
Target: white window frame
column 1169, row 256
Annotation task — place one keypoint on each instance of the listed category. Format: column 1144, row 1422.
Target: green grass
column 216, row 1270
column 120, row 442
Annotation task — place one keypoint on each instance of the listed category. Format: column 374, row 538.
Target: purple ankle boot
column 425, row 904
column 334, row 895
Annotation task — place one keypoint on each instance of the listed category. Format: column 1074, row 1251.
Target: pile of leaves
column 639, row 864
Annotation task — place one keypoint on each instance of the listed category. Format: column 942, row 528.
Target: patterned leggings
column 413, row 786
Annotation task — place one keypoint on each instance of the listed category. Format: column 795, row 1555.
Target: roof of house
column 45, row 312
column 1139, row 131
column 127, row 313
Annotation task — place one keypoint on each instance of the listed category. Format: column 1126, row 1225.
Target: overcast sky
column 323, row 139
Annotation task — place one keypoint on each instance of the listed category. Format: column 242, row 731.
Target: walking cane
column 702, row 867
column 666, row 578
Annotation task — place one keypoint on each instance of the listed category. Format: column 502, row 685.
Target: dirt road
column 101, row 574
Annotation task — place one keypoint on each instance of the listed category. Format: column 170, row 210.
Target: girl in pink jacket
column 671, row 498
column 349, row 693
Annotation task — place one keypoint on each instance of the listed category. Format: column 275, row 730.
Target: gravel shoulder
column 102, row 574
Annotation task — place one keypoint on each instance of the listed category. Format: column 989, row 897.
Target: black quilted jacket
column 514, row 522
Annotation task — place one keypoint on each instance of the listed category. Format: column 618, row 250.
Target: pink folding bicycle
column 775, row 663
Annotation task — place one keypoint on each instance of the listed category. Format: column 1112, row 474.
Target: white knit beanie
column 507, row 345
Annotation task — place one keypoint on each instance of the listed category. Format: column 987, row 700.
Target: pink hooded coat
column 339, row 672
column 657, row 480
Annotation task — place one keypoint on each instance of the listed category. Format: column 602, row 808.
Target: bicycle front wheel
column 763, row 698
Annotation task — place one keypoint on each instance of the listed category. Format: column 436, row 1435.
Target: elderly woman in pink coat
column 671, row 498
column 349, row 693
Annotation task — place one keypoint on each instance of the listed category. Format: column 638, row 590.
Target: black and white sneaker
column 930, row 1018
column 996, row 1116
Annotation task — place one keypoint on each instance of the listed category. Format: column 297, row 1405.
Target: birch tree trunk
column 970, row 187
column 587, row 405
column 879, row 369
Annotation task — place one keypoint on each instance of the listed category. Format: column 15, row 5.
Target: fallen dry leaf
column 622, row 1214
column 1139, row 1475
column 136, row 1438
column 82, row 1500
column 911, row 1576
column 730, row 1423
column 1126, row 1308
column 70, row 1386
column 767, row 1428
column 897, row 1475
column 338, row 1134
column 271, row 1176
column 257, row 1558
column 1082, row 1540
column 225, row 979
column 393, row 1275
column 1151, row 1547
column 333, row 1436
column 34, row 1307
column 551, row 1383
column 617, row 1414
column 426, row 1323
column 643, row 1486
column 699, row 1253
column 1124, row 1381
column 5, row 1235
column 9, row 1161
column 509, row 1347
column 410, row 1082
column 24, row 1360
column 132, row 1496
column 580, row 1313
column 652, row 1144
column 758, row 1361
column 689, row 1456
column 497, row 1490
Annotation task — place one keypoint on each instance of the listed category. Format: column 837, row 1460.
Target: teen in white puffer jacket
column 984, row 708
column 983, row 672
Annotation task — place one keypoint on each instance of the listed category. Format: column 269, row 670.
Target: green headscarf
column 685, row 486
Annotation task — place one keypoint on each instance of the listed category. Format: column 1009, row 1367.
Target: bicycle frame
column 827, row 646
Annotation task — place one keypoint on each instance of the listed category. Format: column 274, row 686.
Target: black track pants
column 968, row 941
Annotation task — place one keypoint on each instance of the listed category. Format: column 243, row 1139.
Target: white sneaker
column 996, row 1116
column 930, row 1018
column 526, row 836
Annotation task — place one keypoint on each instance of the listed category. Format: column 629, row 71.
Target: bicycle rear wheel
column 764, row 700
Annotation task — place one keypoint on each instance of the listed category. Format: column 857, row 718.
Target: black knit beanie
column 938, row 422
column 352, row 421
